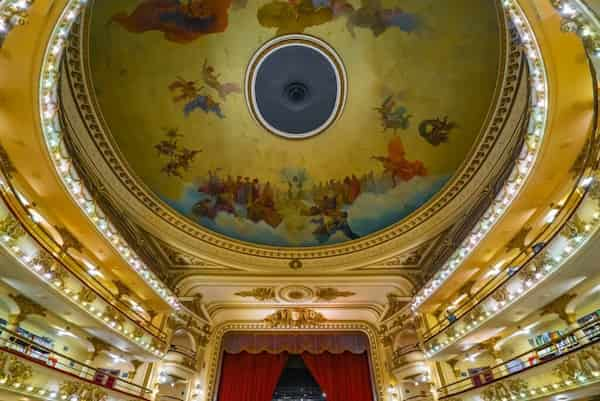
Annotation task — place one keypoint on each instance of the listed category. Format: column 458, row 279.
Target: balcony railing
column 573, row 359
column 398, row 355
column 56, row 373
column 181, row 355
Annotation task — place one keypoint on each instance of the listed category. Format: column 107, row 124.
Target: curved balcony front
column 32, row 370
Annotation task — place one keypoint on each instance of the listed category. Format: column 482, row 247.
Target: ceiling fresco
column 168, row 82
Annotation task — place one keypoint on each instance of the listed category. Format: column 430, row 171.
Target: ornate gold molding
column 6, row 163
column 13, row 371
column 27, row 306
column 81, row 391
column 11, row 227
column 69, row 241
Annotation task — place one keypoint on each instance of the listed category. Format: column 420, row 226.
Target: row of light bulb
column 25, row 249
column 40, row 392
column 54, row 139
column 524, row 165
column 12, row 13
column 582, row 379
column 577, row 18
column 518, row 285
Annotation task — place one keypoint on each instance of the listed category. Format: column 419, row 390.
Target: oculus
column 296, row 86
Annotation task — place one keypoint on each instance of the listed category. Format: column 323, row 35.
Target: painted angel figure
column 212, row 80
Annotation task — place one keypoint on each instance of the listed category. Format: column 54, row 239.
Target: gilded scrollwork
column 11, row 227
column 86, row 295
column 13, row 371
column 260, row 293
column 331, row 294
column 27, row 306
column 82, row 391
column 69, row 241
column 296, row 317
column 496, row 392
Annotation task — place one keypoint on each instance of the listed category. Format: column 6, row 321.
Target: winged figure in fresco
column 212, row 80
column 330, row 218
column 371, row 15
column 436, row 131
column 205, row 103
column 181, row 21
column 179, row 158
column 189, row 92
column 396, row 165
column 293, row 16
column 393, row 116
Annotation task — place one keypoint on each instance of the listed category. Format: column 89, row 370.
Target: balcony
column 28, row 263
column 30, row 369
column 181, row 355
column 406, row 355
column 562, row 263
column 569, row 364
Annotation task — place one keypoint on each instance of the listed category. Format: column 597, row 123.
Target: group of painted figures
column 324, row 203
column 184, row 21
column 258, row 201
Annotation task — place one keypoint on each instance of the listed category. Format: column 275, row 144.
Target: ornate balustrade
column 30, row 369
column 568, row 363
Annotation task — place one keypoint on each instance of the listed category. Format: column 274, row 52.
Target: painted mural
column 168, row 78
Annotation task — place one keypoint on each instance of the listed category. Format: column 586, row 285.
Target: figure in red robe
column 396, row 165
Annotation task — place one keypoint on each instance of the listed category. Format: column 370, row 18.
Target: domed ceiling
column 168, row 80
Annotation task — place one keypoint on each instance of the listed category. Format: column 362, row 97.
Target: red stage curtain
column 250, row 377
column 343, row 377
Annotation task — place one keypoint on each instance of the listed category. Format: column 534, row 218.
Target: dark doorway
column 296, row 383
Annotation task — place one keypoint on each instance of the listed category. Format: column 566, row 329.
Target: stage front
column 308, row 366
